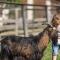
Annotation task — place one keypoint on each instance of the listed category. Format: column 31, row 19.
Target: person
column 55, row 42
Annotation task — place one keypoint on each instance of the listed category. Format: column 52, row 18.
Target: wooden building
column 40, row 2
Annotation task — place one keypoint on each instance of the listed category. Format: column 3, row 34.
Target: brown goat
column 26, row 48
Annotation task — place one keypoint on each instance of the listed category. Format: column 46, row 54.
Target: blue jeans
column 55, row 49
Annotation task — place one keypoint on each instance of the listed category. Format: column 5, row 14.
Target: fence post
column 49, row 15
column 0, row 44
column 5, row 13
column 30, row 10
column 16, row 13
column 25, row 24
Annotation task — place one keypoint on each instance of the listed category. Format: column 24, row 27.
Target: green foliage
column 17, row 1
column 48, row 53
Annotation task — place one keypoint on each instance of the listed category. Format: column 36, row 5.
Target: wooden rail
column 9, row 27
column 21, row 32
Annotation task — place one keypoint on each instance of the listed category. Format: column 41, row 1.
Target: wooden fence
column 13, row 26
column 9, row 27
